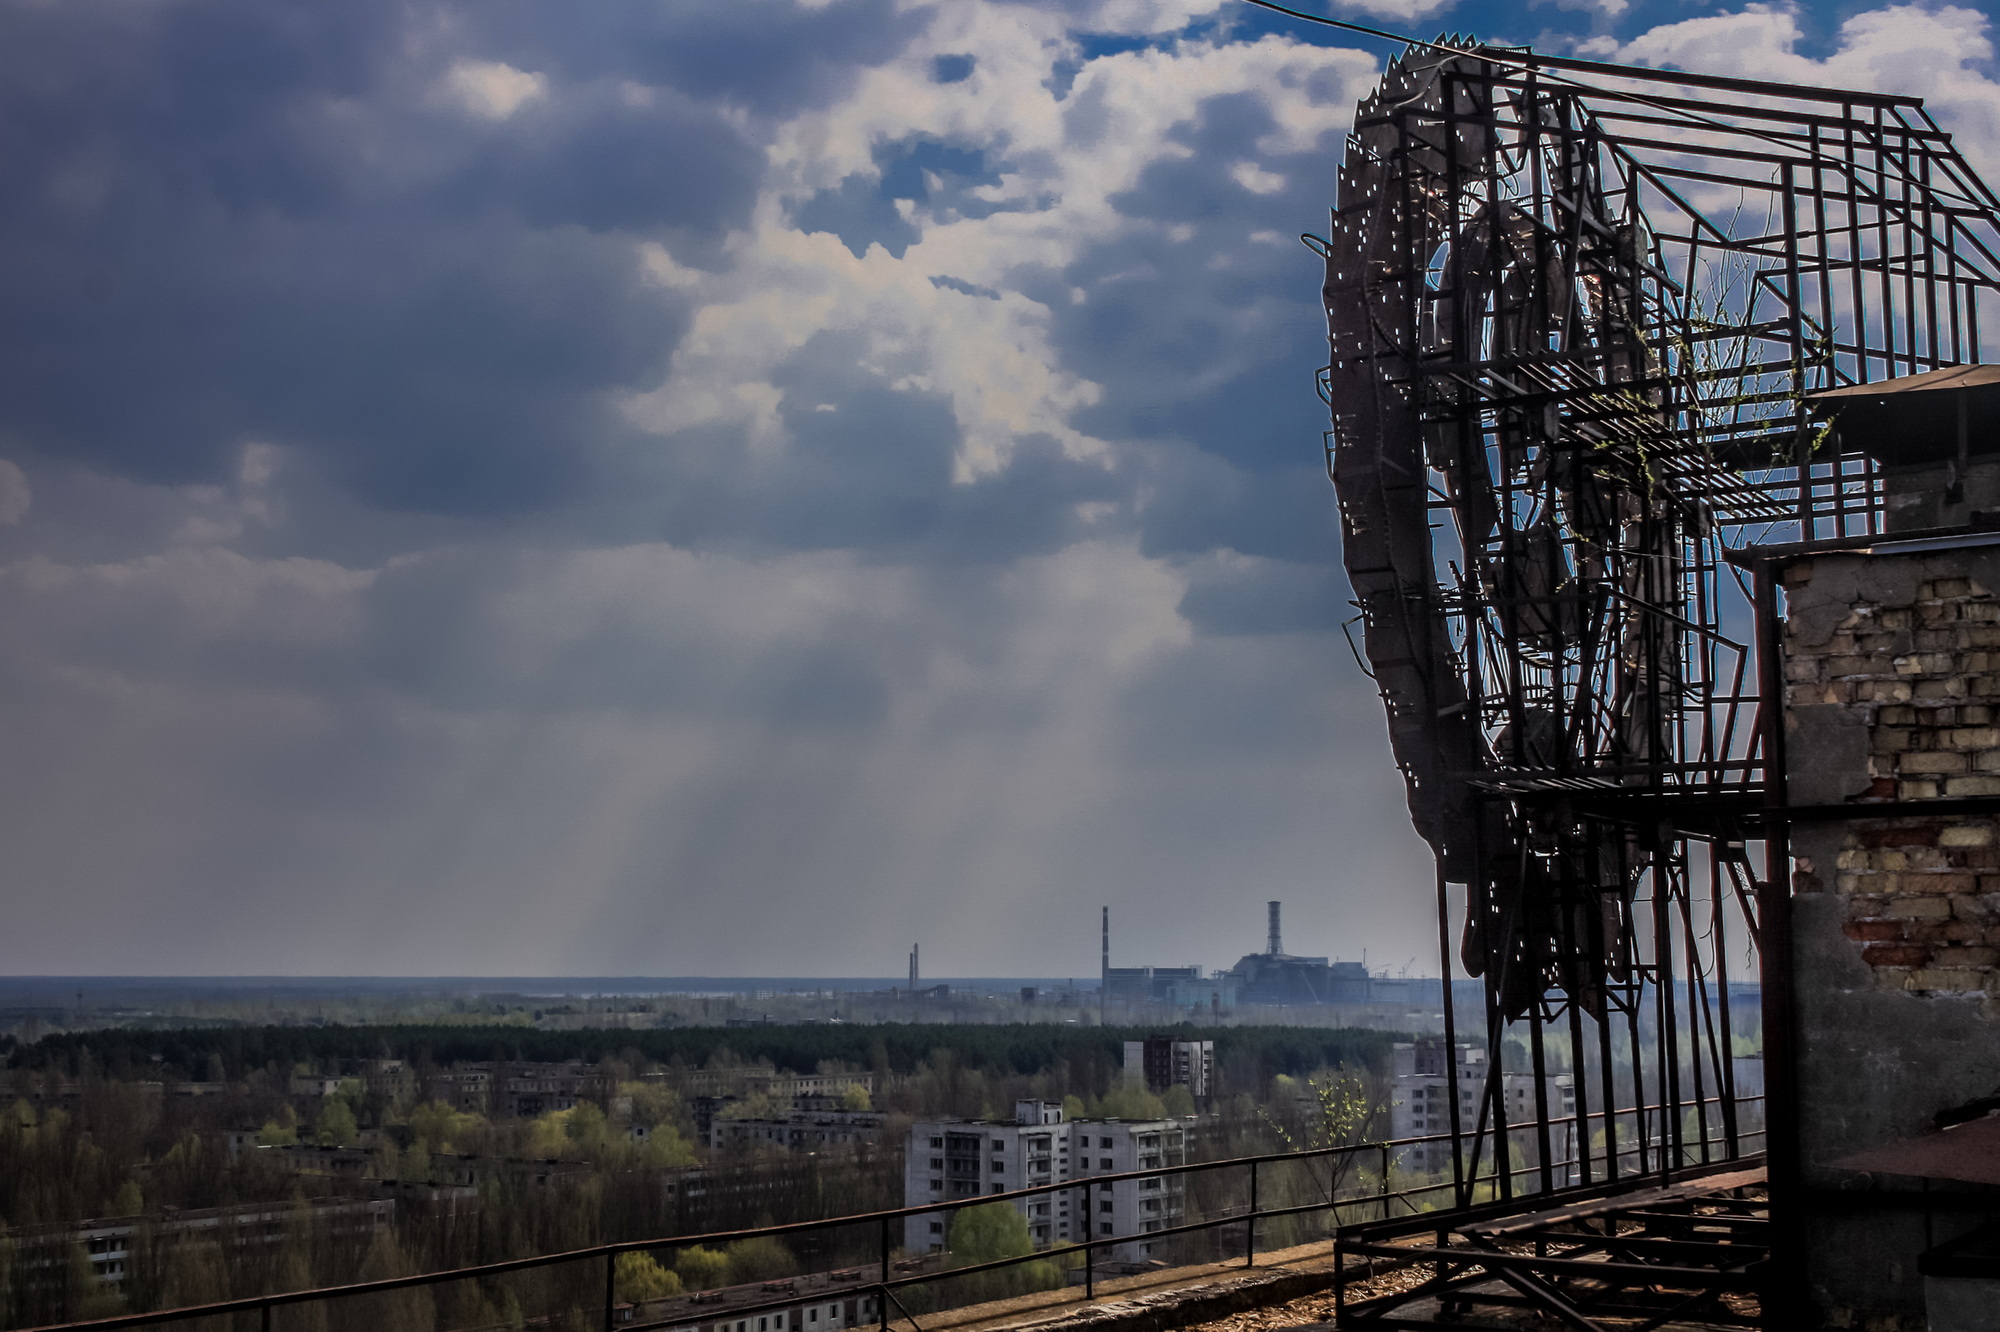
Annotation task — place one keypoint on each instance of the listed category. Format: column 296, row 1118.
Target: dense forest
column 1248, row 1056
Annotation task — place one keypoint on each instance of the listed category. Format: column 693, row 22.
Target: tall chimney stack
column 1277, row 942
column 1104, row 968
column 913, row 968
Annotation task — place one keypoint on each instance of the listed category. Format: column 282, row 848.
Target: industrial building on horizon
column 1272, row 977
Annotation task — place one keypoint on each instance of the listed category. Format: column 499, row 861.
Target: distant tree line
column 1249, row 1056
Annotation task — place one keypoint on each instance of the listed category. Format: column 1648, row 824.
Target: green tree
column 336, row 1127
column 856, row 1097
column 702, row 1268
column 1129, row 1101
column 640, row 1278
column 759, row 1258
column 653, row 1104
column 437, row 1127
column 282, row 1131
column 1177, row 1101
column 128, row 1201
column 585, row 1126
column 987, row 1233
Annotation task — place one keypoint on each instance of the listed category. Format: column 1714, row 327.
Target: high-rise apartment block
column 1166, row 1061
column 950, row 1160
column 1420, row 1105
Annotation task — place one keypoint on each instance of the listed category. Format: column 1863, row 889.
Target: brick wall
column 1920, row 674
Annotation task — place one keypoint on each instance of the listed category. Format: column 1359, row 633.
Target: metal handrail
column 883, row 1218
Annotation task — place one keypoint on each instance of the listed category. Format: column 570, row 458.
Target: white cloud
column 1933, row 53
column 491, row 90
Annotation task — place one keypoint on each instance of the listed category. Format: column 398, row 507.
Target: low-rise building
column 955, row 1159
column 800, row 1130
column 42, row 1253
column 827, row 1302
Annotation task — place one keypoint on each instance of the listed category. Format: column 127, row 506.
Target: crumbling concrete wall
column 1892, row 667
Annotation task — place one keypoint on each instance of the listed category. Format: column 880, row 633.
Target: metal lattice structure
column 1575, row 311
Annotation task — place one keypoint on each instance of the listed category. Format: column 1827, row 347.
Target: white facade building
column 954, row 1159
column 1420, row 1105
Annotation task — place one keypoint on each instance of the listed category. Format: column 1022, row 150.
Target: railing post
column 610, row 1287
column 882, row 1296
column 1385, row 1181
column 1089, row 1246
column 267, row 1318
column 1250, row 1223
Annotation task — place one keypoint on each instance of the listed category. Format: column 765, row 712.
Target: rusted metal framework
column 1575, row 313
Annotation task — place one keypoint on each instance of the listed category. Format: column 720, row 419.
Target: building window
column 937, row 1227
column 999, row 1167
column 937, row 1163
column 1104, row 1164
column 937, row 1186
column 1104, row 1206
column 936, row 1143
column 1104, row 1228
column 1104, row 1142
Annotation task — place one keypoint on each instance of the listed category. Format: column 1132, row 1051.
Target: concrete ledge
column 1160, row 1301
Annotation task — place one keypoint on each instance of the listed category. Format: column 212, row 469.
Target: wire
column 1349, row 27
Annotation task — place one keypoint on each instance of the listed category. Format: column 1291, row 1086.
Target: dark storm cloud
column 870, row 468
column 771, row 57
column 862, row 210
column 226, row 220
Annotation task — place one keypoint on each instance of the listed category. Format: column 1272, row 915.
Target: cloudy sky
column 703, row 487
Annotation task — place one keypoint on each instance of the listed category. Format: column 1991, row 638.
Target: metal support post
column 1250, row 1223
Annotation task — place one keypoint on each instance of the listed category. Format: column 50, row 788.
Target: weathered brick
column 1857, row 882
column 1923, row 834
column 1915, row 908
column 1980, row 610
column 1895, row 955
column 1931, row 931
column 1960, row 932
column 1934, row 761
column 1947, row 980
column 1975, row 908
column 1960, row 955
column 1802, row 670
column 1988, row 761
column 1891, row 739
column 1916, row 788
column 1899, row 715
column 1874, row 929
column 1970, row 737
column 1972, row 786
column 1936, row 881
column 1948, row 587
column 1966, row 834
column 1866, row 664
